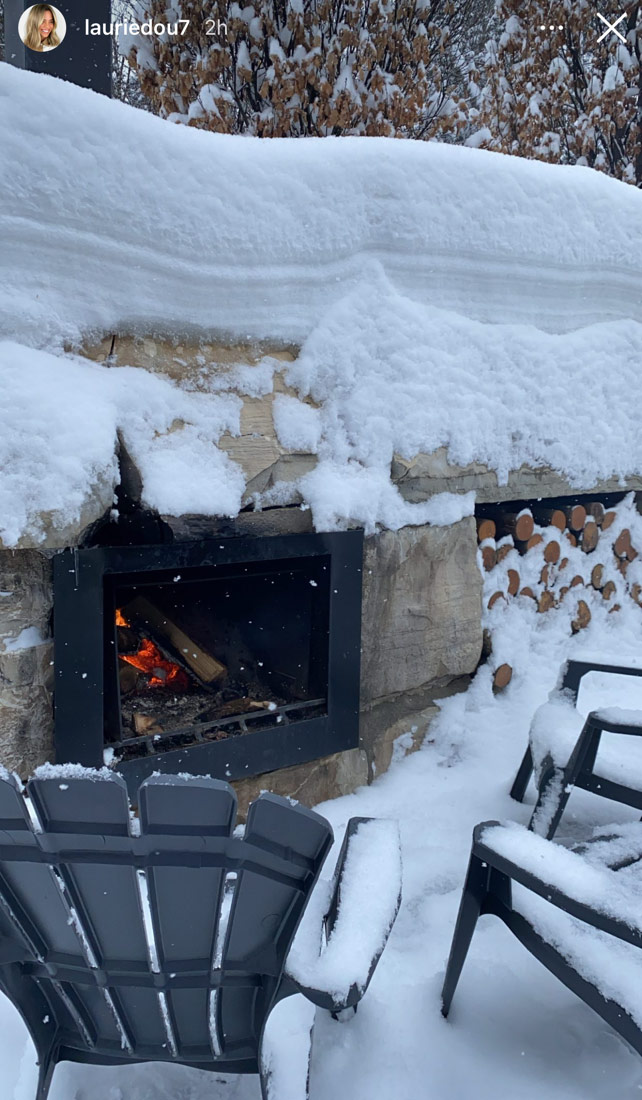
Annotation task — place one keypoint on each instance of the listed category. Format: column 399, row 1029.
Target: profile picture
column 42, row 27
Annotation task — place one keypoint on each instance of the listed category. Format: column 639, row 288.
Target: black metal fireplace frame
column 80, row 579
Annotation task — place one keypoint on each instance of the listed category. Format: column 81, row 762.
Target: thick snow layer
column 514, row 1030
column 115, row 218
column 441, row 295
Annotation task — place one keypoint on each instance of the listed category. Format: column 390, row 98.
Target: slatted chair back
column 167, row 945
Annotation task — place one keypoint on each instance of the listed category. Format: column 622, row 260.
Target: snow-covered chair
column 165, row 938
column 563, row 747
column 577, row 911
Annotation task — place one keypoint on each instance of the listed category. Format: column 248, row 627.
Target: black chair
column 165, row 939
column 503, row 856
column 563, row 747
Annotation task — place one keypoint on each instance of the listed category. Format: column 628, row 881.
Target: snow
column 513, row 1030
column 427, row 309
column 27, row 638
column 364, row 919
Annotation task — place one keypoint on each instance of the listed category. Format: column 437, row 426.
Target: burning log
column 207, row 668
column 128, row 677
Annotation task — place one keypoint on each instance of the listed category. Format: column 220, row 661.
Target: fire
column 161, row 673
column 149, row 659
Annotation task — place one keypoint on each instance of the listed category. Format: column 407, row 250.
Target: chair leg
column 47, row 1065
column 518, row 790
column 474, row 894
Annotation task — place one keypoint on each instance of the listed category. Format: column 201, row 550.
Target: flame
column 162, row 673
column 149, row 659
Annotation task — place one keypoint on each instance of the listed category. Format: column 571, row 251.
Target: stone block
column 310, row 784
column 421, row 609
column 424, row 475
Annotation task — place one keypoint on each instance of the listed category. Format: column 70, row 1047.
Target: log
column 622, row 565
column 146, row 723
column 494, row 599
column 518, row 524
column 609, row 590
column 504, row 550
column 570, row 537
column 486, row 529
column 502, row 677
column 597, row 574
column 616, row 607
column 562, row 565
column 582, row 617
column 562, row 592
column 513, row 582
column 528, row 592
column 546, row 601
column 608, row 518
column 552, row 552
column 543, row 577
column 636, row 593
column 127, row 640
column 550, row 517
column 577, row 579
column 576, row 516
column 127, row 678
column 596, row 510
column 590, row 536
column 488, row 556
column 207, row 668
column 622, row 545
column 534, row 540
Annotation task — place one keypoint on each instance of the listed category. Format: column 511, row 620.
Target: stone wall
column 26, row 669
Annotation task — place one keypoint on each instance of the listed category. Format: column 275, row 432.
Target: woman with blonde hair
column 40, row 33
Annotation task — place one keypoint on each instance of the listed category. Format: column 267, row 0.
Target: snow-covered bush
column 309, row 67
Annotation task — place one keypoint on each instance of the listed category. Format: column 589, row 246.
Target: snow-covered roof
column 441, row 296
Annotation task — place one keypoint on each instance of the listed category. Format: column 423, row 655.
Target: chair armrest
column 542, row 866
column 353, row 913
column 575, row 670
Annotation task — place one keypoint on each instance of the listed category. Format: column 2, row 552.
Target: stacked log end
column 555, row 542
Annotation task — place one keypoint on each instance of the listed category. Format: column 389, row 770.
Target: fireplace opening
column 211, row 657
column 227, row 657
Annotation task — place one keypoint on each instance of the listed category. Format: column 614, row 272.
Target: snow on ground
column 513, row 1031
column 441, row 295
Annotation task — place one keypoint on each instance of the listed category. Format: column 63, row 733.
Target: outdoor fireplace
column 229, row 656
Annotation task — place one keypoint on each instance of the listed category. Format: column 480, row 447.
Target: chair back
column 159, row 938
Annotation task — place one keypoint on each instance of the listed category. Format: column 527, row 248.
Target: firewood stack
column 577, row 557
